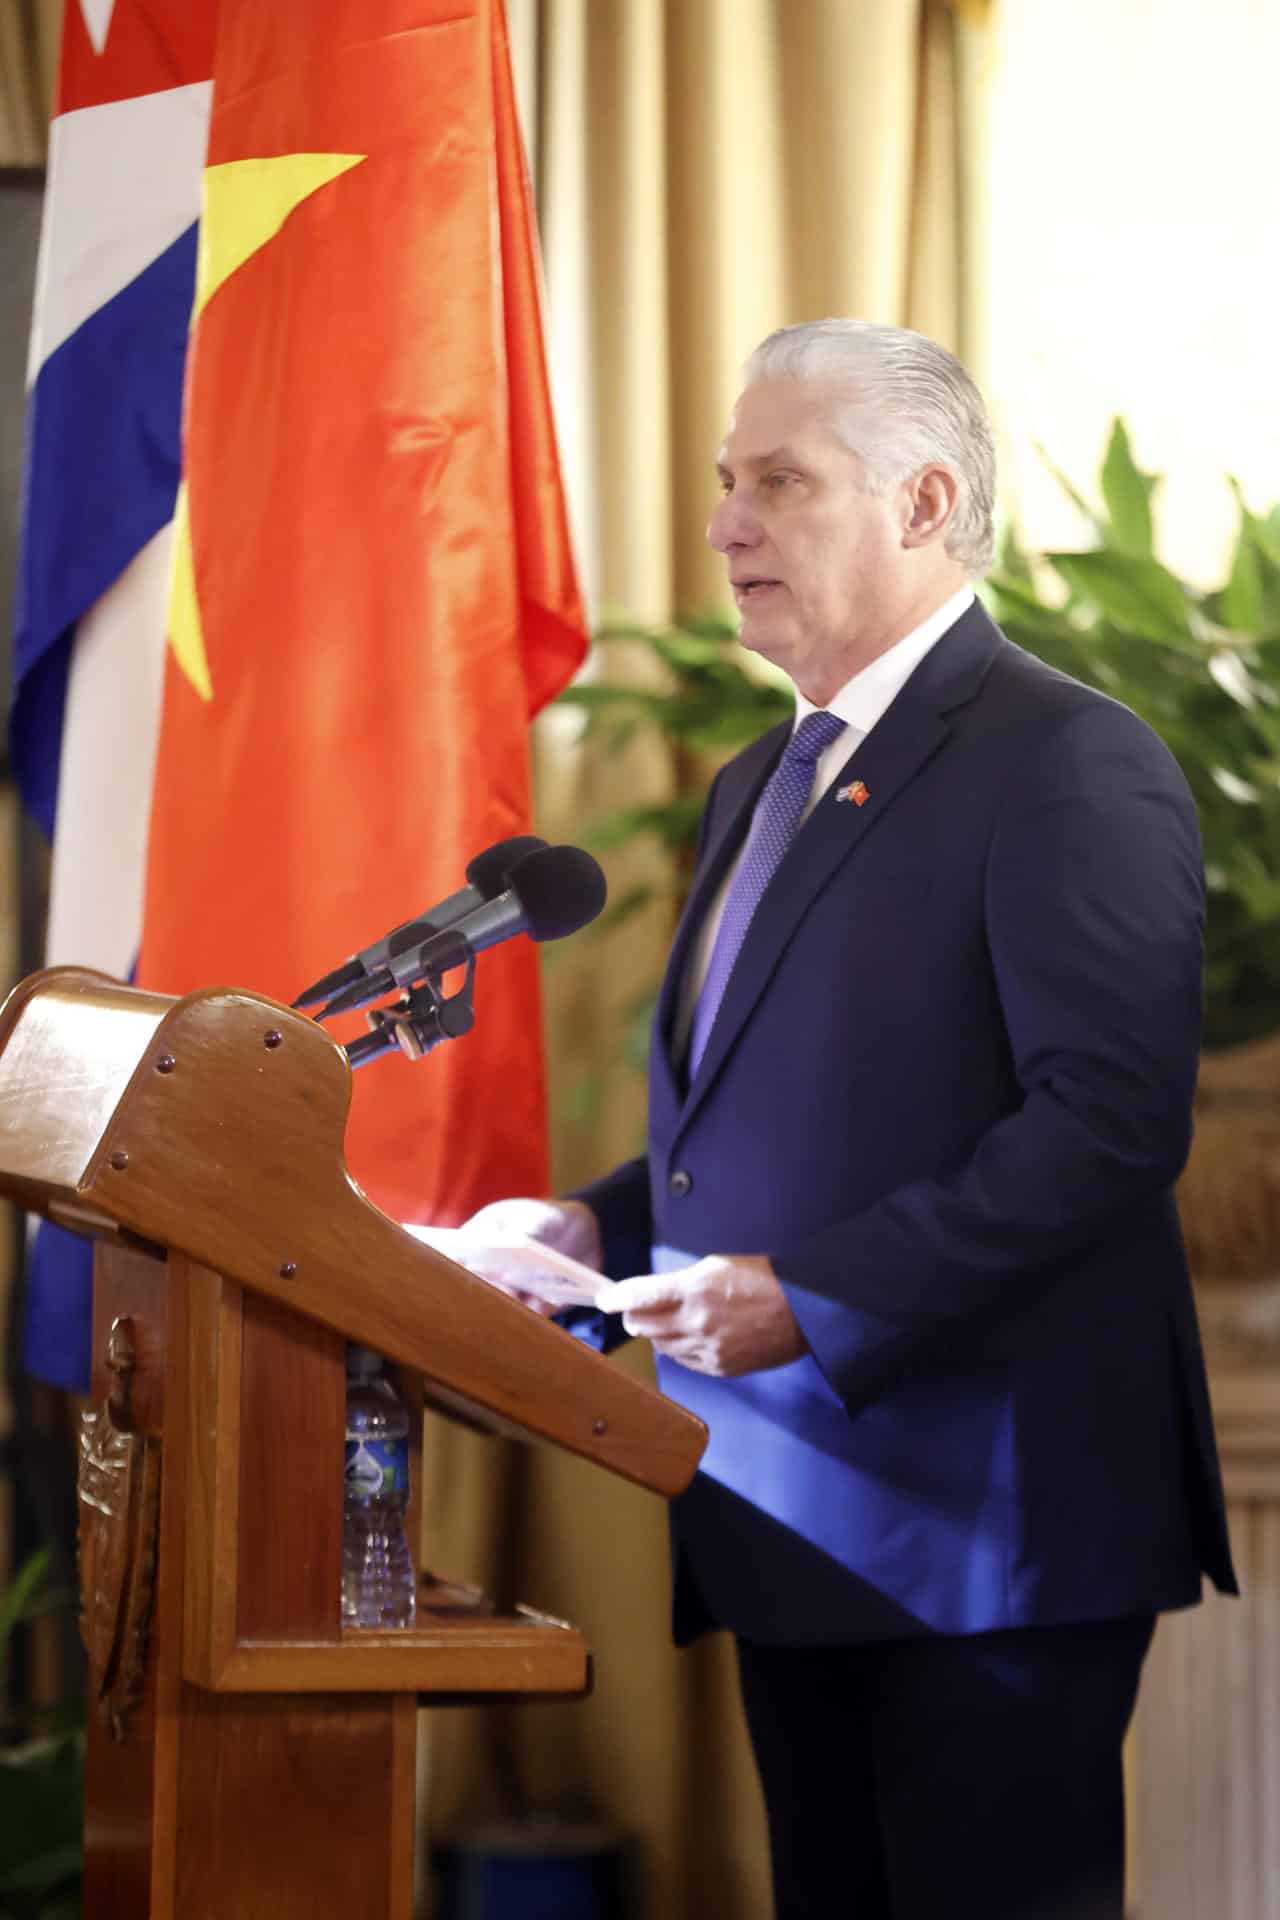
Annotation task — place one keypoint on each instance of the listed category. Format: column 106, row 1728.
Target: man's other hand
column 567, row 1225
column 725, row 1315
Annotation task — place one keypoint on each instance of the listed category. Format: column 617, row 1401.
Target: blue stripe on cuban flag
column 102, row 467
column 113, row 303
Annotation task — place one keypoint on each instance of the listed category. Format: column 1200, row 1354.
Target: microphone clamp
column 418, row 1021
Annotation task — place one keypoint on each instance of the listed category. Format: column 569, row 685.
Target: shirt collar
column 862, row 700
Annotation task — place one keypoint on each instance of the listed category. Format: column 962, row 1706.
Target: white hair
column 911, row 404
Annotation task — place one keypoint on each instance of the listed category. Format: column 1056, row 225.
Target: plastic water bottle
column 378, row 1579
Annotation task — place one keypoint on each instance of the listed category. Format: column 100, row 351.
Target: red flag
column 377, row 589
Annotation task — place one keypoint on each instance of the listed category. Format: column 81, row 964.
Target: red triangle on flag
column 151, row 46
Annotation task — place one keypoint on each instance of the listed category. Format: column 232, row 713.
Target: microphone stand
column 418, row 1021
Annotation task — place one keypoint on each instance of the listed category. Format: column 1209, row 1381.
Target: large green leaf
column 1138, row 594
column 736, row 726
column 1012, row 562
column 41, row 1818
column 675, row 825
column 1255, row 884
column 639, row 1025
column 620, row 910
column 1261, row 537
column 592, row 697
column 1240, row 604
column 1074, row 494
column 1014, row 598
column 1127, row 492
column 22, row 1595
column 692, row 650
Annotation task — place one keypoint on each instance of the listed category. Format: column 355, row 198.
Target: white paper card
column 521, row 1262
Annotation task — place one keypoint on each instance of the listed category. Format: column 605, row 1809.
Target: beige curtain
column 705, row 170
column 29, row 34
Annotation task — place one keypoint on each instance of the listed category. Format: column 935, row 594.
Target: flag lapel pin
column 855, row 791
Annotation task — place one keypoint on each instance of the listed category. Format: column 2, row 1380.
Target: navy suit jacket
column 948, row 1092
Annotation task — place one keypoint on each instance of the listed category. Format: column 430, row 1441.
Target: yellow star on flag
column 246, row 202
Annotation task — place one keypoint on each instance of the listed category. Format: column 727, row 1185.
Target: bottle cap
column 363, row 1361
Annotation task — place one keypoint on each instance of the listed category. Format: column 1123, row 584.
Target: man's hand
column 567, row 1225
column 725, row 1315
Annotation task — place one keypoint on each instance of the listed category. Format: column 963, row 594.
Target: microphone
column 415, row 1025
column 552, row 893
column 368, row 1046
column 486, row 877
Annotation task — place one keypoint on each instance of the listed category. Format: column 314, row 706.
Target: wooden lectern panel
column 247, row 1754
column 262, row 1565
column 206, row 1805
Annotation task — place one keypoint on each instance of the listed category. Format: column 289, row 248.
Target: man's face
column 816, row 563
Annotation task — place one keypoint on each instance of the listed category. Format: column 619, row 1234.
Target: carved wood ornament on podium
column 118, row 1492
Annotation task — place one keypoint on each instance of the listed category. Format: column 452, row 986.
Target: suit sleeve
column 620, row 1202
column 1094, row 912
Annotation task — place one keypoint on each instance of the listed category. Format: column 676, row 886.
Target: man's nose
column 732, row 525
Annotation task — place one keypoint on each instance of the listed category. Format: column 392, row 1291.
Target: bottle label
column 377, row 1467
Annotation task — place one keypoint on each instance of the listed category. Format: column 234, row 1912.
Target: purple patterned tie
column 773, row 827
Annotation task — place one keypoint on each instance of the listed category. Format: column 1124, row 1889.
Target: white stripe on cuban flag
column 124, row 188
column 110, row 729
column 123, row 184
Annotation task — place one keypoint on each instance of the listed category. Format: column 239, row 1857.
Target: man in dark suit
column 925, row 1055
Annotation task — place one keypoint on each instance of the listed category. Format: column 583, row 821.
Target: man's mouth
column 752, row 585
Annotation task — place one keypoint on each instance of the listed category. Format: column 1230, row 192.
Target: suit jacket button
column 680, row 1183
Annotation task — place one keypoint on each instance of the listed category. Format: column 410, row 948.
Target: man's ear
column 931, row 500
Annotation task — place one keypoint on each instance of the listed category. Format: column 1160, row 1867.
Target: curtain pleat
column 29, row 34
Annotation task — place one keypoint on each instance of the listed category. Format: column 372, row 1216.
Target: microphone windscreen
column 489, row 873
column 559, row 889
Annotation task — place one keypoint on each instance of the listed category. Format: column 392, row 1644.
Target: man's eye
column 773, row 482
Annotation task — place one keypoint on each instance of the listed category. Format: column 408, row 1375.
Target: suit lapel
column 902, row 742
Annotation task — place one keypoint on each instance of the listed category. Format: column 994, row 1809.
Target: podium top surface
column 68, row 1056
column 214, row 1125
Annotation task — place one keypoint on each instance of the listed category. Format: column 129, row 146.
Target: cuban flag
column 114, row 289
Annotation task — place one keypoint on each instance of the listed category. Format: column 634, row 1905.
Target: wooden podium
column 247, row 1756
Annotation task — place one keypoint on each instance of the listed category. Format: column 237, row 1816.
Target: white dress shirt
column 860, row 702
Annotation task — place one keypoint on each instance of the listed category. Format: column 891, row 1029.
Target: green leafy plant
column 1202, row 668
column 709, row 705
column 41, row 1782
